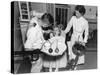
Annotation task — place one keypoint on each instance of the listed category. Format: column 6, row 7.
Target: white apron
column 79, row 26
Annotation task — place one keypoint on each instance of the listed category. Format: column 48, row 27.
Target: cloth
column 79, row 26
column 34, row 35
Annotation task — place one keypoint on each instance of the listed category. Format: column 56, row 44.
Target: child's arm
column 51, row 35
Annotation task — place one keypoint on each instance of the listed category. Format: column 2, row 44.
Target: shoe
column 56, row 70
column 50, row 70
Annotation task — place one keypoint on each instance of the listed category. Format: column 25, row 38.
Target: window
column 24, row 11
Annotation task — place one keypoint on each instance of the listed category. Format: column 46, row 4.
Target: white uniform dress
column 34, row 35
column 79, row 26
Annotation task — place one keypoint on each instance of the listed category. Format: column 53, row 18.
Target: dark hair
column 48, row 18
column 81, row 9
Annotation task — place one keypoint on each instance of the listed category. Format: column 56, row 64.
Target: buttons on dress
column 50, row 50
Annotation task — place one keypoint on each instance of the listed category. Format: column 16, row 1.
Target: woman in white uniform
column 35, row 39
column 80, row 26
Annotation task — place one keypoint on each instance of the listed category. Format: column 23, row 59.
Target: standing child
column 57, row 56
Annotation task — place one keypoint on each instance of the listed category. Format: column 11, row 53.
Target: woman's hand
column 83, row 43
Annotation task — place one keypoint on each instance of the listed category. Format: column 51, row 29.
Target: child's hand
column 64, row 31
column 51, row 35
column 83, row 43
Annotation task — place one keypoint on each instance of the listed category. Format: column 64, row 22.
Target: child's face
column 56, row 30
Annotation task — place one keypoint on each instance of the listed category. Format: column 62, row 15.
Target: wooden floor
column 91, row 61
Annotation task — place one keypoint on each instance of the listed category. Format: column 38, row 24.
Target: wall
column 40, row 7
column 17, row 30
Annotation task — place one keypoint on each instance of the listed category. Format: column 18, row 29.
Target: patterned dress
column 56, row 58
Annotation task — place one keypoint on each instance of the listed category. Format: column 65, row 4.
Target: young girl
column 56, row 57
column 80, row 26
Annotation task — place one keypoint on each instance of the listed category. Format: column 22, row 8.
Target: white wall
column 40, row 7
